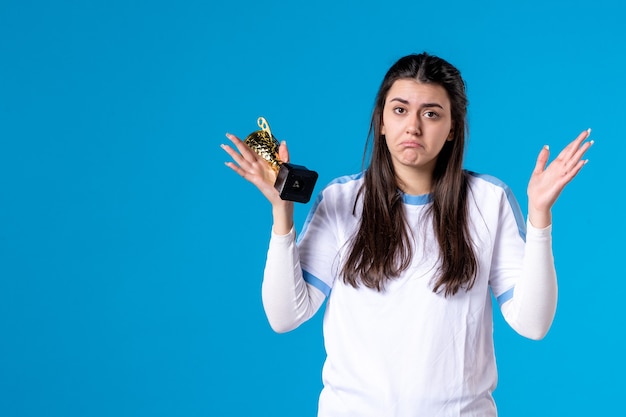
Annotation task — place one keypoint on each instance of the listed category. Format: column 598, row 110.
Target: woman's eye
column 431, row 114
column 399, row 110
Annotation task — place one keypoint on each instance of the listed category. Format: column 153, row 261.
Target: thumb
column 542, row 160
column 283, row 152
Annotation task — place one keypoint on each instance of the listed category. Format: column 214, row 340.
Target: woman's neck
column 414, row 182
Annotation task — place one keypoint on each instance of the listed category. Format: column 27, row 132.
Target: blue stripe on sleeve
column 505, row 296
column 517, row 211
column 320, row 197
column 316, row 282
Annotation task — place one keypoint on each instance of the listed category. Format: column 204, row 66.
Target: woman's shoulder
column 347, row 180
column 489, row 191
column 490, row 195
column 486, row 181
column 340, row 191
column 343, row 185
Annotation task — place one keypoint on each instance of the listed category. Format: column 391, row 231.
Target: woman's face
column 417, row 122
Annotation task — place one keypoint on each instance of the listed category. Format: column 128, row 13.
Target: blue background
column 131, row 257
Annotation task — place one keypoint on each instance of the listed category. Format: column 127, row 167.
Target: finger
column 237, row 157
column 542, row 160
column 578, row 156
column 236, row 168
column 578, row 153
column 243, row 149
column 249, row 171
column 283, row 152
column 576, row 163
column 574, row 170
column 235, row 140
column 574, row 145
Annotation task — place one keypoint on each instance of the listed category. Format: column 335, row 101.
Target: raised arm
column 287, row 299
column 531, row 309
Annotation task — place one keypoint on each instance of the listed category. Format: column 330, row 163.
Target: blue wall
column 131, row 257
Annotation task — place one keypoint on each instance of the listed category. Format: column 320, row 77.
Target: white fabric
column 407, row 351
column 533, row 306
column 288, row 300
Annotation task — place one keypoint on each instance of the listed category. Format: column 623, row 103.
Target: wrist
column 282, row 212
column 540, row 219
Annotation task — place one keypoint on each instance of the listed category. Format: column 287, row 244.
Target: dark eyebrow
column 431, row 105
column 401, row 100
column 424, row 105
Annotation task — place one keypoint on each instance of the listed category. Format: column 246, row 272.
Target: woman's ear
column 450, row 135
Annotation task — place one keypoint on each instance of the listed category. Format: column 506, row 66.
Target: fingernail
column 546, row 147
column 284, row 142
column 589, row 131
column 591, row 142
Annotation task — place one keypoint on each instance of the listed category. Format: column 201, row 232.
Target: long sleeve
column 287, row 299
column 532, row 307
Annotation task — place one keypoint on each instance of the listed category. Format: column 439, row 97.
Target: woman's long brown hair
column 381, row 248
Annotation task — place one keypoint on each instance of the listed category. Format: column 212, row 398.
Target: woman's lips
column 411, row 144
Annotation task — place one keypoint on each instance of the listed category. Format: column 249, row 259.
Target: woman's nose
column 413, row 125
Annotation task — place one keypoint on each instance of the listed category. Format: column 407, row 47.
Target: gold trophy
column 294, row 182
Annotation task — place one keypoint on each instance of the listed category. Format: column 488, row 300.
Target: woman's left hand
column 546, row 183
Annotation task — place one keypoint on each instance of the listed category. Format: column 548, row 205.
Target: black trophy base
column 295, row 183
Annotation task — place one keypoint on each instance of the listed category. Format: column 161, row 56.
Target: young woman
column 407, row 253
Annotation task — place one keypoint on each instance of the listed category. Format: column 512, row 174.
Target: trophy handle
column 264, row 126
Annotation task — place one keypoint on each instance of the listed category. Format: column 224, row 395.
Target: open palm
column 547, row 182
